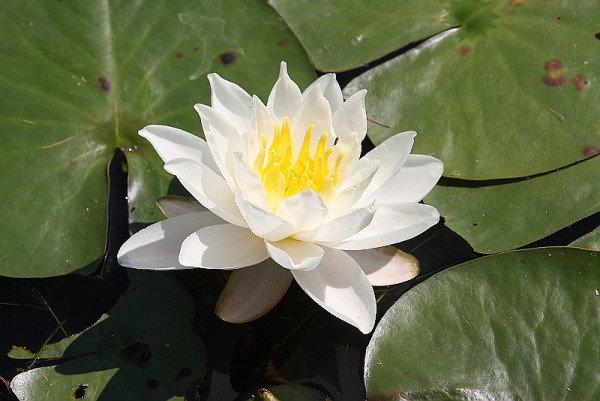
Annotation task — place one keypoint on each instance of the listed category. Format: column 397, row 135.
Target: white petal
column 174, row 205
column 314, row 110
column 392, row 154
column 387, row 265
column 391, row 224
column 352, row 189
column 352, row 116
column 156, row 247
column 208, row 188
column 285, row 97
column 262, row 124
column 330, row 89
column 231, row 99
column 295, row 255
column 412, row 182
column 172, row 143
column 222, row 246
column 339, row 228
column 304, row 211
column 224, row 140
column 251, row 186
column 341, row 288
column 262, row 222
column 252, row 292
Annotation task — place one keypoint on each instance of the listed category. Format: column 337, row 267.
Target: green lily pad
column 510, row 92
column 127, row 354
column 80, row 78
column 508, row 215
column 590, row 240
column 515, row 326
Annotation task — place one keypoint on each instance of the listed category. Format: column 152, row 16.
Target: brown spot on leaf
column 227, row 58
column 79, row 392
column 179, row 54
column 590, row 151
column 554, row 73
column 195, row 49
column 508, row 11
column 104, row 84
column 553, row 65
column 464, row 51
column 558, row 18
column 517, row 3
column 580, row 82
column 282, row 42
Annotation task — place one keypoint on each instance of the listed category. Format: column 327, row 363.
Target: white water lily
column 285, row 181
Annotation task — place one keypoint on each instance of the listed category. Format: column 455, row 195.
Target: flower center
column 282, row 176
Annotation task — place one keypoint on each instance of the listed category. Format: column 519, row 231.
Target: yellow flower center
column 283, row 176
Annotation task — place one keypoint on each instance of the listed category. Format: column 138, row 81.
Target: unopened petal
column 387, row 265
column 391, row 224
column 295, row 255
column 285, row 97
column 208, row 188
column 222, row 246
column 156, row 247
column 339, row 286
column 252, row 292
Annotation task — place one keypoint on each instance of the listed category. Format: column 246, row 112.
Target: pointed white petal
column 392, row 154
column 330, row 88
column 208, row 188
column 174, row 205
column 222, row 246
column 412, row 182
column 285, row 97
column 156, row 247
column 352, row 189
column 315, row 111
column 231, row 100
column 172, row 143
column 339, row 228
column 262, row 124
column 304, row 211
column 352, row 116
column 387, row 265
column 251, row 186
column 252, row 292
column 339, row 286
column 263, row 222
column 392, row 223
column 295, row 255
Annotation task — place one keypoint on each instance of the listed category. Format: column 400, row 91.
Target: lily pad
column 511, row 91
column 80, row 78
column 495, row 217
column 126, row 354
column 590, row 240
column 515, row 326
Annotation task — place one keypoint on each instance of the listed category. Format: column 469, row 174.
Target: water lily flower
column 282, row 193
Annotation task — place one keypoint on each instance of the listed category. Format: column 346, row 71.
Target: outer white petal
column 391, row 224
column 222, row 246
column 387, row 265
column 412, row 182
column 262, row 222
column 315, row 110
column 330, row 88
column 174, row 205
column 295, row 255
column 208, row 188
column 339, row 228
column 392, row 155
column 352, row 116
column 224, row 140
column 156, row 247
column 339, row 286
column 304, row 211
column 285, row 97
column 252, row 292
column 172, row 143
column 232, row 100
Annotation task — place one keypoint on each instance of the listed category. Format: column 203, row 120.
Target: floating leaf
column 515, row 326
column 495, row 218
column 590, row 240
column 512, row 91
column 80, row 78
column 127, row 354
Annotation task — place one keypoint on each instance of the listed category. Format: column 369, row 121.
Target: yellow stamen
column 282, row 176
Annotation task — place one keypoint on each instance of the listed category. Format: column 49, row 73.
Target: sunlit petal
column 386, row 265
column 295, row 255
